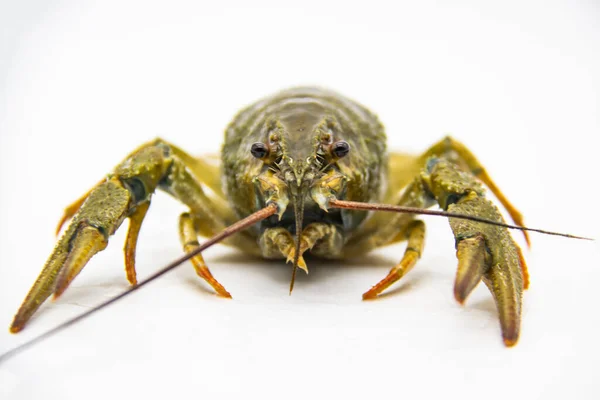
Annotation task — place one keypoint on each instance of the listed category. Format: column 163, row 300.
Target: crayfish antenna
column 357, row 205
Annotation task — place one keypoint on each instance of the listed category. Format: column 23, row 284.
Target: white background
column 82, row 84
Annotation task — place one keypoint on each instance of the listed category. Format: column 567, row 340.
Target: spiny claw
column 524, row 270
column 87, row 242
column 100, row 215
column 490, row 253
column 507, row 294
column 70, row 255
column 472, row 265
column 41, row 289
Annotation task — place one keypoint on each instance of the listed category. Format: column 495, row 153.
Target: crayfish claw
column 41, row 289
column 472, row 265
column 507, row 293
column 105, row 208
column 490, row 254
column 70, row 255
column 87, row 242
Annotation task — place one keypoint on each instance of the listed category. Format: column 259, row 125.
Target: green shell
column 298, row 114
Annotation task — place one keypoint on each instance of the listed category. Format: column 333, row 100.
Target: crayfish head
column 300, row 154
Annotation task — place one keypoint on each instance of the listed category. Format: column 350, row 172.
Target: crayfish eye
column 340, row 149
column 259, row 150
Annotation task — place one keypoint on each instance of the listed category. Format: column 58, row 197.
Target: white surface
column 83, row 84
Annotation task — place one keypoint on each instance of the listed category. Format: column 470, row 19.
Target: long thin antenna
column 230, row 230
column 356, row 205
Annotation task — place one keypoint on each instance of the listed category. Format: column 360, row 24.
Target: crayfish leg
column 135, row 224
column 412, row 253
column 189, row 239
